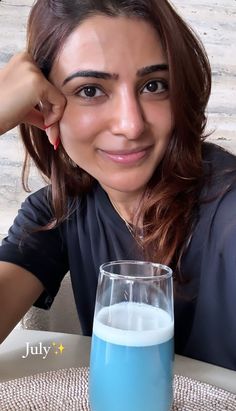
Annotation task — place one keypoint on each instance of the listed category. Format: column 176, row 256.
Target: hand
column 23, row 88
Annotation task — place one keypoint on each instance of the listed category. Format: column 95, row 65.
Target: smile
column 126, row 156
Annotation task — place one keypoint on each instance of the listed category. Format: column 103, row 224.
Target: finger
column 53, row 133
column 57, row 102
column 35, row 118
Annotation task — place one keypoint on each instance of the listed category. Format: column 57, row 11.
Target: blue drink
column 131, row 369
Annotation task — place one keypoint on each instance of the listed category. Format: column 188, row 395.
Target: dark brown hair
column 172, row 194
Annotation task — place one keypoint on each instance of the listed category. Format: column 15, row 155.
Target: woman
column 110, row 97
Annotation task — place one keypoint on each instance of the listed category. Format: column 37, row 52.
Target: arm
column 18, row 291
column 33, row 262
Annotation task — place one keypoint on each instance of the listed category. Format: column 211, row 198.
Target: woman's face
column 117, row 122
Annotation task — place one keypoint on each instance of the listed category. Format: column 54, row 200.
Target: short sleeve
column 41, row 251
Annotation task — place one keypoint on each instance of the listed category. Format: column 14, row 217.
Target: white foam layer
column 133, row 324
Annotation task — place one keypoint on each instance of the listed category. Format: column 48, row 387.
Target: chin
column 126, row 185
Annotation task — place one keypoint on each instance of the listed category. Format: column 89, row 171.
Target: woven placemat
column 67, row 390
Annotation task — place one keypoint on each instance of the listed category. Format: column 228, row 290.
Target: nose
column 127, row 119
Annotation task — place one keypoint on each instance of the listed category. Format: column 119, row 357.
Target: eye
column 90, row 92
column 155, row 87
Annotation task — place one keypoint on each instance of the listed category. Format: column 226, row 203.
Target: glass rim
column 166, row 275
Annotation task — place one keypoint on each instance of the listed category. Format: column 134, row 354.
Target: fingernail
column 46, row 127
column 57, row 143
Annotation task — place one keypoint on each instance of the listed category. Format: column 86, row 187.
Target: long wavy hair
column 172, row 194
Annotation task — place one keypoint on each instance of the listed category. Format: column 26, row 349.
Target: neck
column 125, row 204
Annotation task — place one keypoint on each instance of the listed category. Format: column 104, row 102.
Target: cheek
column 163, row 128
column 160, row 117
column 77, row 126
column 166, row 122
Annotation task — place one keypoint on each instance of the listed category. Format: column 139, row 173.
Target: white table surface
column 76, row 354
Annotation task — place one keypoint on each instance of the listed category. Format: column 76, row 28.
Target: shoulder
column 216, row 216
column 220, row 187
column 41, row 197
column 217, row 158
column 38, row 206
column 219, row 168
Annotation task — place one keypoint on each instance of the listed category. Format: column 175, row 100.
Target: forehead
column 111, row 44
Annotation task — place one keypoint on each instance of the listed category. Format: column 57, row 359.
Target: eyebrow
column 112, row 76
column 152, row 69
column 91, row 73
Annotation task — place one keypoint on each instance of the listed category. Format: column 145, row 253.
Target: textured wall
column 13, row 16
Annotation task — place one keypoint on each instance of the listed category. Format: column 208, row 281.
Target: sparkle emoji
column 61, row 348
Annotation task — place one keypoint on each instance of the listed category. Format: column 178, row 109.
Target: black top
column 205, row 305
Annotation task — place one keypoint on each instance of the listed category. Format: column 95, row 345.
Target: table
column 75, row 351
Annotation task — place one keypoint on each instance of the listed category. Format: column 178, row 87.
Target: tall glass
column 131, row 364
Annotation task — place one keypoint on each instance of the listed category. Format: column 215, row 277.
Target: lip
column 126, row 156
